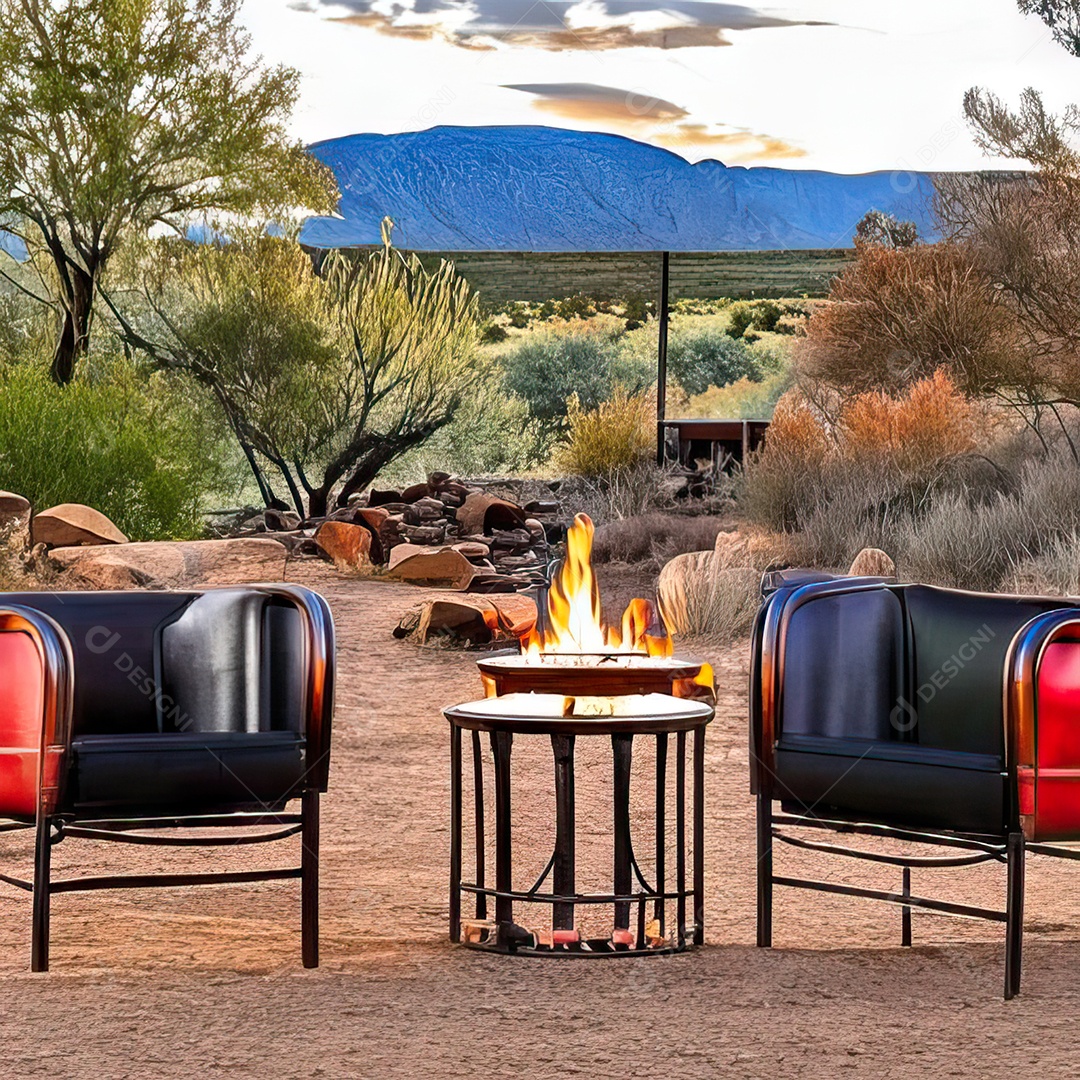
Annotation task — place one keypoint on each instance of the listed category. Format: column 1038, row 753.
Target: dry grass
column 720, row 606
column 614, row 436
column 656, row 537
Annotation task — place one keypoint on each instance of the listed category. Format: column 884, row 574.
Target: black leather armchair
column 924, row 714
column 135, row 716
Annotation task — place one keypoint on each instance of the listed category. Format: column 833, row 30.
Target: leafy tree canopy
column 118, row 116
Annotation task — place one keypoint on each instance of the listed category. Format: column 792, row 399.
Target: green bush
column 143, row 451
column 492, row 433
column 702, row 356
column 761, row 315
column 546, row 368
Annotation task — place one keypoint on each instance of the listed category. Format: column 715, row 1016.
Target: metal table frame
column 630, row 887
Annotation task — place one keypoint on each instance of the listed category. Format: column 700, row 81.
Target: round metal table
column 501, row 719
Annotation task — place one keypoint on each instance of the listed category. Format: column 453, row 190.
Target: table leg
column 680, row 836
column 455, row 832
column 622, row 751
column 562, row 915
column 478, row 814
column 699, row 836
column 501, row 743
column 661, row 825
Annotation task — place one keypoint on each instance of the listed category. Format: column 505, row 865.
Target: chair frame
column 1018, row 838
column 54, row 822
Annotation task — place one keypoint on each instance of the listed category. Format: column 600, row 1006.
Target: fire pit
column 576, row 652
column 576, row 675
column 563, row 719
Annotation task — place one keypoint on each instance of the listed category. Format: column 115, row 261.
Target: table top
column 542, row 714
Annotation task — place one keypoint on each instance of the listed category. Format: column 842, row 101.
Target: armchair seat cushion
column 187, row 772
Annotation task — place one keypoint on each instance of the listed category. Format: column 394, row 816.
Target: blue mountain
column 550, row 189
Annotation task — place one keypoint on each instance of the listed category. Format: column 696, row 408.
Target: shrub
column 654, row 538
column 762, row 315
column 625, row 493
column 721, row 606
column 145, row 452
column 885, row 453
column 491, row 433
column 898, row 315
column 703, row 356
column 546, row 368
column 615, row 435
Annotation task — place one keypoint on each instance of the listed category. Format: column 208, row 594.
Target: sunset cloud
column 554, row 24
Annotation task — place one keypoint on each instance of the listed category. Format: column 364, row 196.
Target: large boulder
column 441, row 567
column 13, row 508
column 872, row 562
column 72, row 523
column 347, row 545
column 167, row 565
column 677, row 584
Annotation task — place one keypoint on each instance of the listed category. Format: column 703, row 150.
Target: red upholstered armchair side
column 36, row 684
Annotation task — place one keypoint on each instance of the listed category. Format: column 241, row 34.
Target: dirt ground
column 208, row 982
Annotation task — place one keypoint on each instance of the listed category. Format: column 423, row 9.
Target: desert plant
column 614, row 436
column 721, row 605
column 323, row 382
column 654, row 538
column 899, row 314
column 547, row 367
column 491, row 433
column 117, row 117
column 703, row 356
column 145, row 452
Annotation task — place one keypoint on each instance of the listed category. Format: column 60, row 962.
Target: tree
column 898, row 315
column 883, row 229
column 117, row 116
column 1063, row 18
column 323, row 380
column 1024, row 229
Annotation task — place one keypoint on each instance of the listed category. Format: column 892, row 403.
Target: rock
column 181, row 565
column 348, row 546
column 73, row 523
column 484, row 513
column 12, row 508
column 475, row 620
column 471, row 549
column 536, row 529
column 281, row 520
column 431, row 566
column 417, row 491
column 423, row 534
column 872, row 562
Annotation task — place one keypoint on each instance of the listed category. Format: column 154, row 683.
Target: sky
column 844, row 85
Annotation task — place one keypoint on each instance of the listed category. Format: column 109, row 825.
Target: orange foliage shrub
column 898, row 315
column 881, row 449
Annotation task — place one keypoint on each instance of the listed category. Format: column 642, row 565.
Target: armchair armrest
column 57, row 689
column 319, row 694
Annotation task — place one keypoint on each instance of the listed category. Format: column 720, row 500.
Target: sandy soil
column 180, row 983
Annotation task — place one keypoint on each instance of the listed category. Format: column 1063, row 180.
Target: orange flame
column 574, row 620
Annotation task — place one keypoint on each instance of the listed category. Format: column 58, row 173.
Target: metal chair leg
column 764, row 871
column 1014, row 914
column 309, row 879
column 39, row 946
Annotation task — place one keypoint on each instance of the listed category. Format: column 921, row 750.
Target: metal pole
column 661, row 361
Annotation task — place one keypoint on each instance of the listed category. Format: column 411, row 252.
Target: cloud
column 655, row 120
column 737, row 146
column 554, row 24
column 605, row 104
